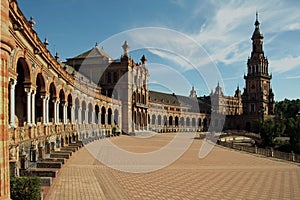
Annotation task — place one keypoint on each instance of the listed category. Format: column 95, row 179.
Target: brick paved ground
column 223, row 174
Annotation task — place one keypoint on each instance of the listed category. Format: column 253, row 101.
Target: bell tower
column 258, row 97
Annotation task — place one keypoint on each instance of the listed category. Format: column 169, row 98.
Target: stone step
column 48, row 165
column 73, row 149
column 46, row 181
column 60, row 155
column 61, row 160
column 44, row 172
column 79, row 144
column 63, row 152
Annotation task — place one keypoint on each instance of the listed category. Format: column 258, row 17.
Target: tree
column 267, row 132
column 25, row 188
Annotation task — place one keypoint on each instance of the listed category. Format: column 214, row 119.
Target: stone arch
column 83, row 111
column 109, row 116
column 23, row 83
column 77, row 106
column 170, row 120
column 159, row 120
column 90, row 113
column 25, row 68
column 69, row 108
column 165, row 120
column 138, row 118
column 40, row 94
column 62, row 101
column 153, row 119
column 97, row 110
column 138, row 99
column 193, row 122
column 181, row 121
column 187, row 122
column 52, row 100
column 103, row 113
column 176, row 121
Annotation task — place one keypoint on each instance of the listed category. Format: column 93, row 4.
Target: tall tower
column 258, row 97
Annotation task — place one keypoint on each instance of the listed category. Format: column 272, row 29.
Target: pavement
column 223, row 174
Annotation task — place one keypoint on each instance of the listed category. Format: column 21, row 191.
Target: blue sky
column 184, row 41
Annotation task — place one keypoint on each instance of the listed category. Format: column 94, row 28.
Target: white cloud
column 224, row 36
column 292, row 77
column 285, row 64
column 293, row 27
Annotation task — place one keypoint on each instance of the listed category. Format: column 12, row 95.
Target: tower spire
column 256, row 21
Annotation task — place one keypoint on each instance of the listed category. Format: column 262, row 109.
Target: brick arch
column 52, row 87
column 25, row 68
column 52, row 96
column 70, row 100
column 62, row 95
column 40, row 94
column 41, row 79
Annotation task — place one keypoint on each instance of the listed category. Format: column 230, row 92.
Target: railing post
column 272, row 152
column 293, row 156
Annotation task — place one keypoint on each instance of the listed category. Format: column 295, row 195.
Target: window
column 252, row 107
column 108, row 77
column 115, row 77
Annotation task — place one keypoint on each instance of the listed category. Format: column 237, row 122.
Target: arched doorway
column 103, row 113
column 187, row 121
column 159, row 120
column 109, row 112
column 21, row 98
column 176, row 121
column 193, row 122
column 90, row 114
column 77, row 106
column 83, row 111
column 97, row 110
column 52, row 100
column 61, row 105
column 69, row 109
column 153, row 119
column 181, row 121
column 40, row 93
column 170, row 121
column 165, row 120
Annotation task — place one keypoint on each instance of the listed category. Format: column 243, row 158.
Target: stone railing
column 268, row 152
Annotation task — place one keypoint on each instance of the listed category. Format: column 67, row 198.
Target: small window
column 108, row 77
column 115, row 77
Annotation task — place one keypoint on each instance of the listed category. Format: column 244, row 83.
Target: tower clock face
column 265, row 92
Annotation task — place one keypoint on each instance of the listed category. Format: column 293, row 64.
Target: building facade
column 47, row 104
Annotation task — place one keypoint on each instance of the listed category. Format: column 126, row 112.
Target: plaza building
column 47, row 104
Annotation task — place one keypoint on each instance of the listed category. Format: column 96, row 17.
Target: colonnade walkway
column 223, row 174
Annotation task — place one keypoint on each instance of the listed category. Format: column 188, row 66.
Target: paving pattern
column 223, row 174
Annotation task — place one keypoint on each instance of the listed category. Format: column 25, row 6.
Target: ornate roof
column 92, row 53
